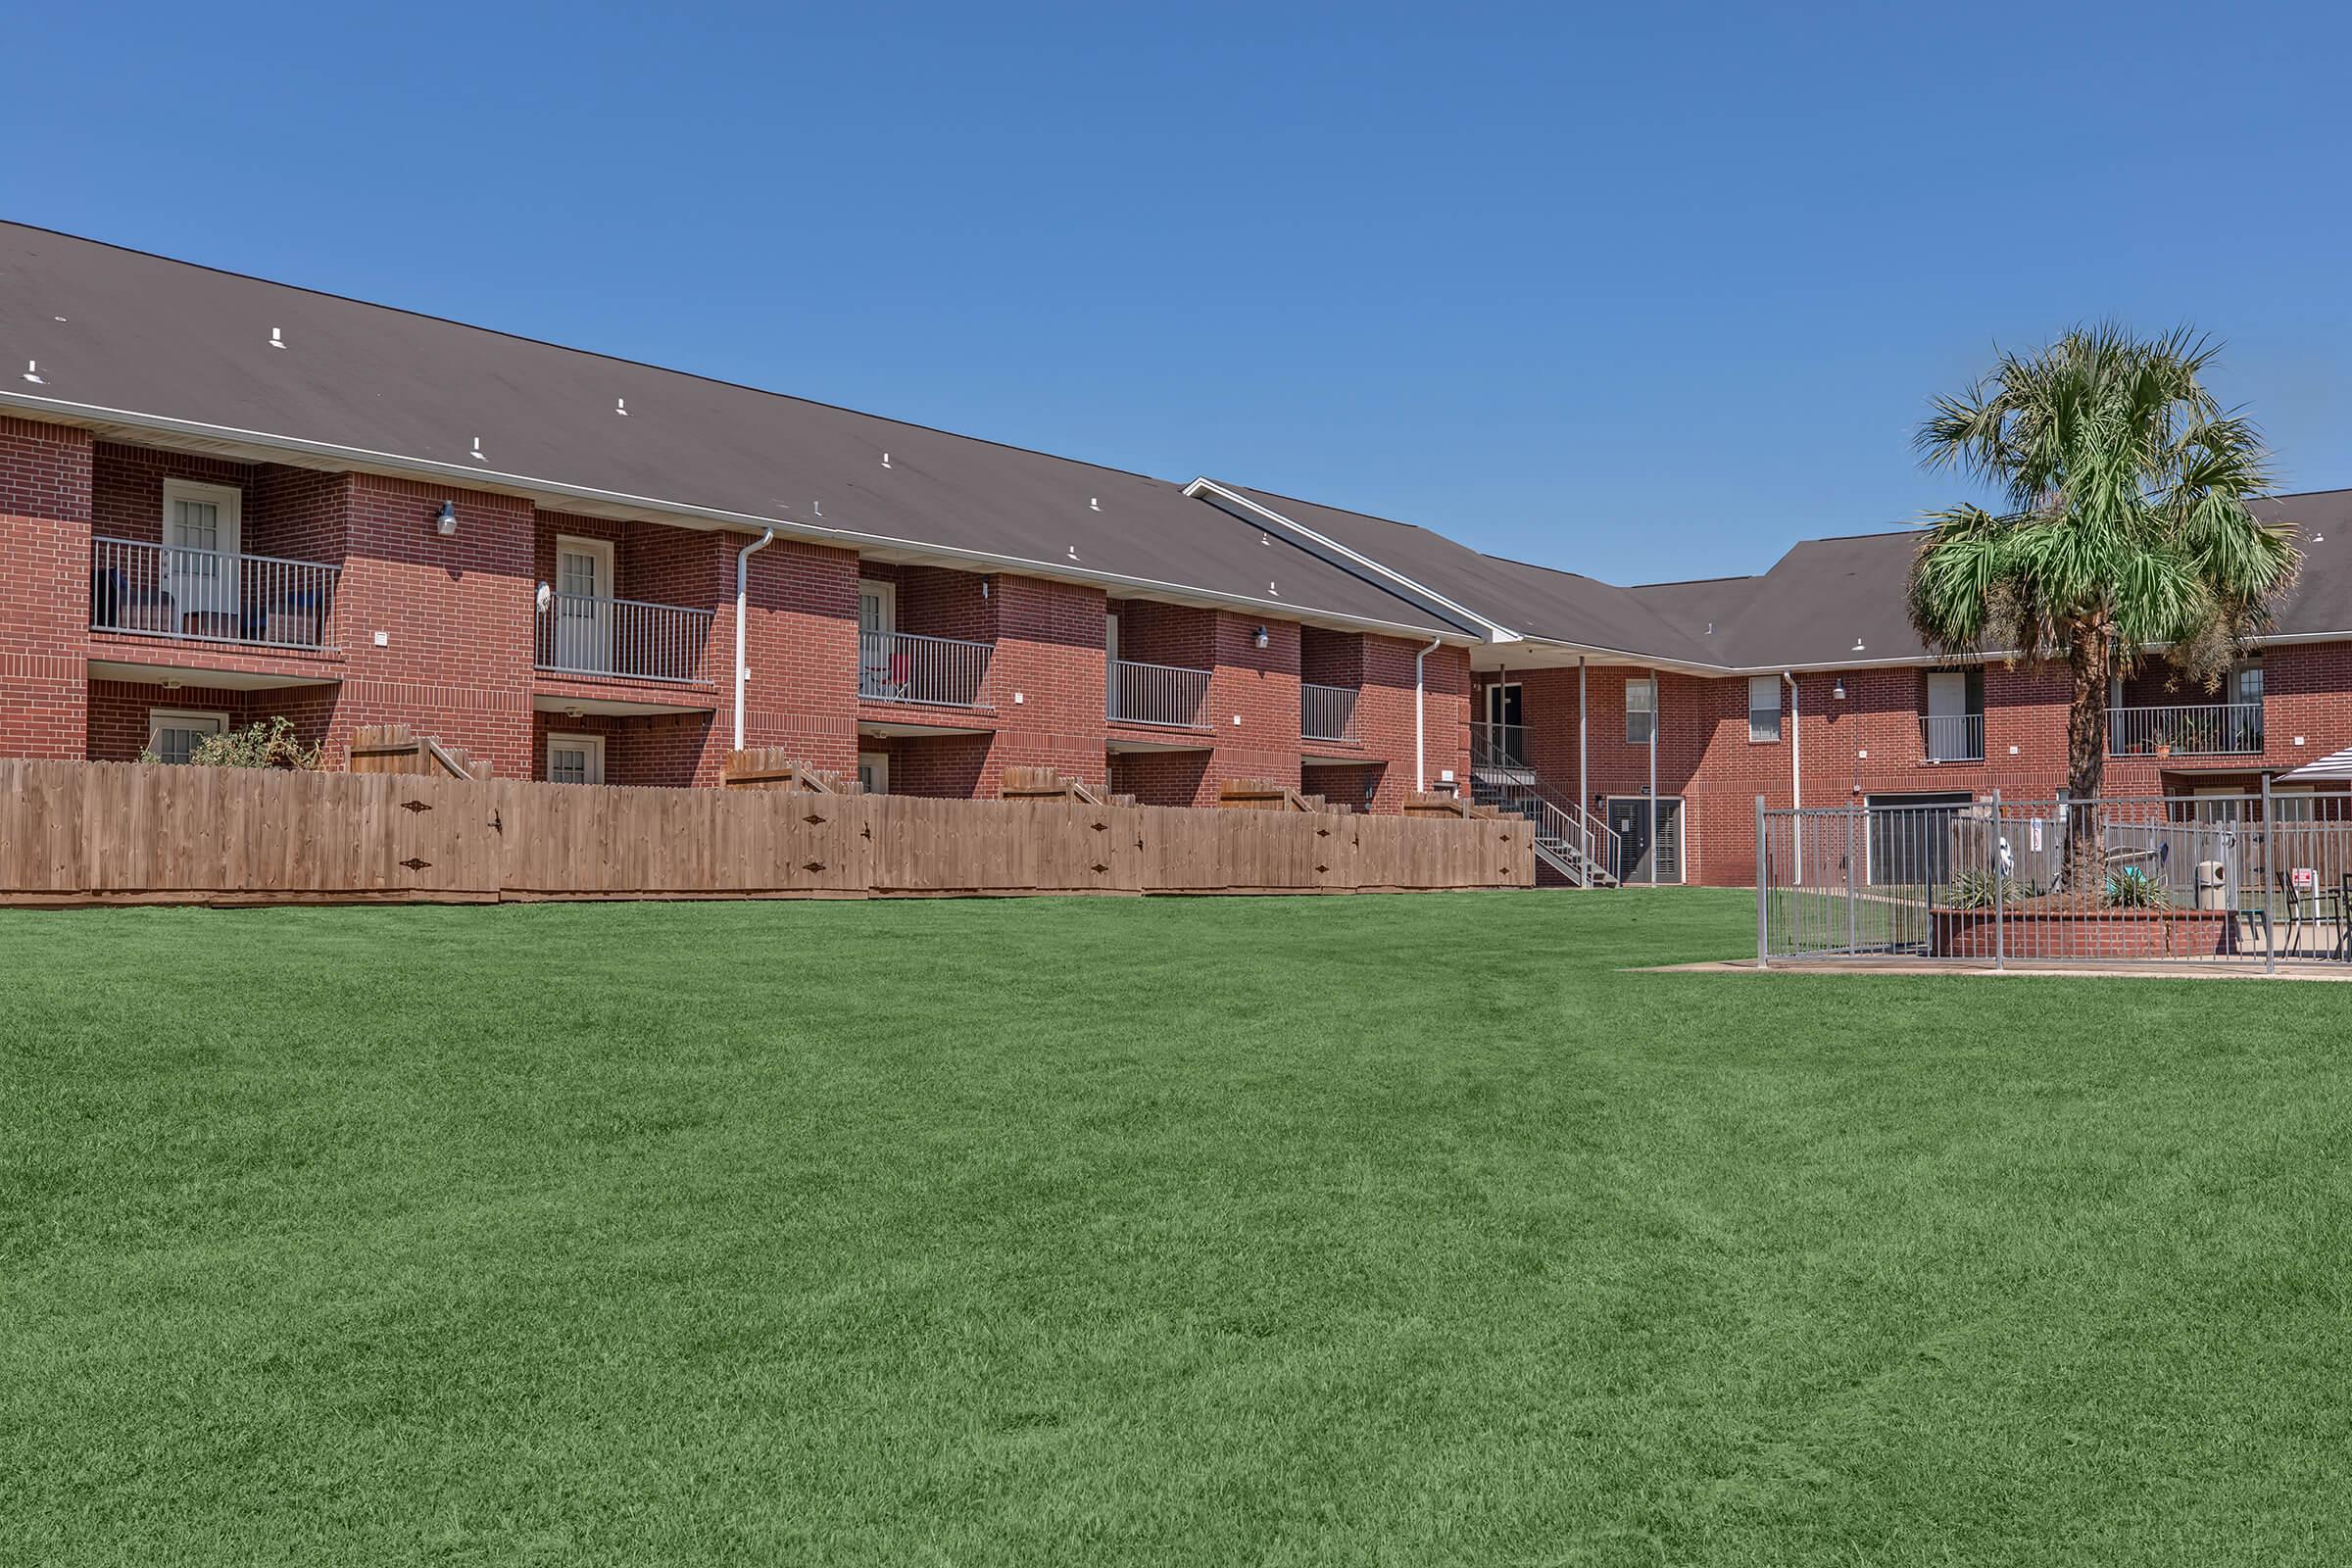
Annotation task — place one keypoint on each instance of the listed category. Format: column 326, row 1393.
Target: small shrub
column 1977, row 890
column 271, row 744
column 2134, row 889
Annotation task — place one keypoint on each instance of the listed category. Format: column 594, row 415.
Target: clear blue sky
column 1647, row 291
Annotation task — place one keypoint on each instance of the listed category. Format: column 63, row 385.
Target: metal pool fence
column 2253, row 879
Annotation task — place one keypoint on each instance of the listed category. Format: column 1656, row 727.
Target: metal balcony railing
column 589, row 634
column 213, row 596
column 1156, row 693
column 2230, row 730
column 896, row 667
column 1326, row 712
column 1952, row 737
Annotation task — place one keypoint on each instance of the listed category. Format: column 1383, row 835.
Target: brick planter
column 2085, row 934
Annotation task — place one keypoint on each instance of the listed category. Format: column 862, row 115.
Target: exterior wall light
column 1838, row 691
column 445, row 522
column 1260, row 637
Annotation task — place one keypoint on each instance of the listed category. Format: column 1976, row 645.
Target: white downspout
column 1420, row 721
column 743, row 579
column 1796, row 764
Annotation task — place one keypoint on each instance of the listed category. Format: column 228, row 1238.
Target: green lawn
column 1382, row 1230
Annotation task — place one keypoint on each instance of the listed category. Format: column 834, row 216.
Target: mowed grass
column 1379, row 1230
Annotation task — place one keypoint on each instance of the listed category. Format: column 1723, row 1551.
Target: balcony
column 1156, row 693
column 935, row 672
column 2208, row 729
column 1952, row 737
column 1326, row 712
column 211, row 596
column 588, row 634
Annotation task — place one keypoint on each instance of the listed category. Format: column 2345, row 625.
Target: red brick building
column 229, row 500
column 1657, row 715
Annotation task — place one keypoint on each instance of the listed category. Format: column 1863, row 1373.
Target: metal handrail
column 904, row 666
column 1326, row 712
column 595, row 634
column 2232, row 730
column 1494, row 745
column 1164, row 694
column 214, row 595
column 1952, row 737
column 1576, row 841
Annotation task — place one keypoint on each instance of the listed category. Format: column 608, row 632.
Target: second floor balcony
column 896, row 667
column 214, row 596
column 1156, row 693
column 1326, row 712
column 590, row 634
column 1952, row 737
column 2200, row 729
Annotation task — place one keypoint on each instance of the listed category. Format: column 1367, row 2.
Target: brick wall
column 45, row 500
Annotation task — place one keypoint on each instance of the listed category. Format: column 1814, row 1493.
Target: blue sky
column 1644, row 295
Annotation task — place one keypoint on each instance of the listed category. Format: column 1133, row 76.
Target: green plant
column 2134, row 889
column 269, row 743
column 1975, row 889
column 2121, row 527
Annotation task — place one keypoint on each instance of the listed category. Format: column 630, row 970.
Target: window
column 2246, row 683
column 575, row 759
column 1640, row 710
column 1764, row 708
column 173, row 735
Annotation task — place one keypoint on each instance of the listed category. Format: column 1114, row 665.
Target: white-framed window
column 175, row 733
column 575, row 759
column 873, row 773
column 1763, row 707
column 204, row 529
column 1640, row 709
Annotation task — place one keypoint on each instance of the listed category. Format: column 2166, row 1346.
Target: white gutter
column 1420, row 700
column 479, row 478
column 742, row 577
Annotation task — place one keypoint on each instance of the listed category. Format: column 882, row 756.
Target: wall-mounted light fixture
column 1838, row 691
column 1260, row 637
column 445, row 521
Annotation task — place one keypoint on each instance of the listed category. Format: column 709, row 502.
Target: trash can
column 2210, row 892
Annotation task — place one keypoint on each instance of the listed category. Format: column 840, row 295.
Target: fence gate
column 2216, row 878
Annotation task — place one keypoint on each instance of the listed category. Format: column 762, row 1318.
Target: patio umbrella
column 2336, row 769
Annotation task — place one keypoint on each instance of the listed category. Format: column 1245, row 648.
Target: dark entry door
column 1911, row 837
column 1647, row 828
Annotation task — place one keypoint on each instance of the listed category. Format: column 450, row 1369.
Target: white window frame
column 592, row 744
column 1648, row 686
column 1755, row 736
column 160, row 720
column 877, row 764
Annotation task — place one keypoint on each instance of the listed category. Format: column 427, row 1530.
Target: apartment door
column 1949, row 740
column 199, row 568
column 575, row 759
column 1506, row 712
column 584, row 605
column 877, row 620
column 873, row 773
column 1648, row 835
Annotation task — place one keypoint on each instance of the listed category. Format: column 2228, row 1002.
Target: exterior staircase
column 1576, row 846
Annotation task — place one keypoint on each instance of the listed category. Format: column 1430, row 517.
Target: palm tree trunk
column 2089, row 664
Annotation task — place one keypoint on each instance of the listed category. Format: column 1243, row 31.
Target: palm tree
column 2123, row 529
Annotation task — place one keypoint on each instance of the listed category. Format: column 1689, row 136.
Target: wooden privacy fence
column 101, row 832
